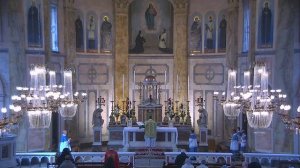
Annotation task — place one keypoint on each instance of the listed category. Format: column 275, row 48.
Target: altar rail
column 269, row 158
column 49, row 157
column 209, row 157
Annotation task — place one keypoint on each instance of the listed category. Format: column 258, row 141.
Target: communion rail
column 271, row 159
column 209, row 157
column 39, row 158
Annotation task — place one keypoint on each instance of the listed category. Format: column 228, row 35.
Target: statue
column 97, row 118
column 202, row 121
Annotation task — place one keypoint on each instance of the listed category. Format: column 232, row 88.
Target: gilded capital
column 121, row 6
column 180, row 6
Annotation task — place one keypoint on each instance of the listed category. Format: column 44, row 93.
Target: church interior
column 99, row 69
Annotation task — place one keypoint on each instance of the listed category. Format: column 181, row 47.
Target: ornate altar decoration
column 98, row 121
column 121, row 116
column 40, row 100
column 150, row 100
column 177, row 115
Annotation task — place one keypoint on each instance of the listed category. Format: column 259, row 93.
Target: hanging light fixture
column 257, row 101
column 40, row 100
column 231, row 106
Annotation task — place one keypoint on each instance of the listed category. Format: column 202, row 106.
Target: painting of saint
column 34, row 26
column 79, row 34
column 266, row 29
column 210, row 29
column 91, row 28
column 106, row 34
column 222, row 34
column 150, row 16
column 196, row 34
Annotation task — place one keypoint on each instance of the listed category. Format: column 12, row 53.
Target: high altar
column 128, row 136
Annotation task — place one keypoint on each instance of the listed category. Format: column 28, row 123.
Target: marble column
column 251, row 57
column 69, row 33
column 232, row 34
column 180, row 50
column 121, row 50
column 285, row 68
column 16, row 47
column 231, row 52
column 69, row 16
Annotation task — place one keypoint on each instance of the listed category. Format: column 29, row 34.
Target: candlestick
column 188, row 87
column 166, row 85
column 177, row 86
column 133, row 85
column 123, row 87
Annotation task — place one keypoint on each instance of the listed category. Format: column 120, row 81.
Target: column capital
column 69, row 3
column 121, row 6
column 180, row 6
column 233, row 4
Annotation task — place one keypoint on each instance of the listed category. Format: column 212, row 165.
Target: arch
column 79, row 31
column 210, row 32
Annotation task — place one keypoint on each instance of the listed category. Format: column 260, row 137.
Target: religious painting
column 79, row 33
column 34, row 25
column 106, row 34
column 91, row 30
column 265, row 23
column 210, row 32
column 222, row 32
column 196, row 34
column 150, row 27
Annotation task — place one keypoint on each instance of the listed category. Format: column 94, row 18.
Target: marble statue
column 202, row 121
column 97, row 118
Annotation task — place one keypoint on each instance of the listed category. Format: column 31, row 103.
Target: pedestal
column 8, row 151
column 97, row 141
column 203, row 140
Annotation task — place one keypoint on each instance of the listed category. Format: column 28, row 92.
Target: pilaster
column 121, row 50
column 180, row 50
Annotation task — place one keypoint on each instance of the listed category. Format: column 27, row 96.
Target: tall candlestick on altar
column 123, row 86
column 133, row 85
column 177, row 86
column 188, row 87
column 166, row 85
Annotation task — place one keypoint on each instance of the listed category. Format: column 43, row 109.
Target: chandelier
column 292, row 123
column 257, row 101
column 230, row 106
column 40, row 100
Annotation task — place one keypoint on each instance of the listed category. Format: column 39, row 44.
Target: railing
column 129, row 157
column 268, row 158
column 49, row 157
column 207, row 156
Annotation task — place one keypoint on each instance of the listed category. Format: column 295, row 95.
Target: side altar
column 173, row 127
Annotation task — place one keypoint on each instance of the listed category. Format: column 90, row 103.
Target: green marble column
column 121, row 50
column 180, row 50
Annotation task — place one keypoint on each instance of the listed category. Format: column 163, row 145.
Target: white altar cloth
column 167, row 143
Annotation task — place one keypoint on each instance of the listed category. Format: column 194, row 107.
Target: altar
column 167, row 138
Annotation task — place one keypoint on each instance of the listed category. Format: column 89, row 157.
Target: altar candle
column 188, row 87
column 123, row 86
column 133, row 84
column 177, row 85
column 166, row 85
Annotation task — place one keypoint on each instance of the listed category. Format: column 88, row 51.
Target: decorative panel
column 92, row 74
column 209, row 74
